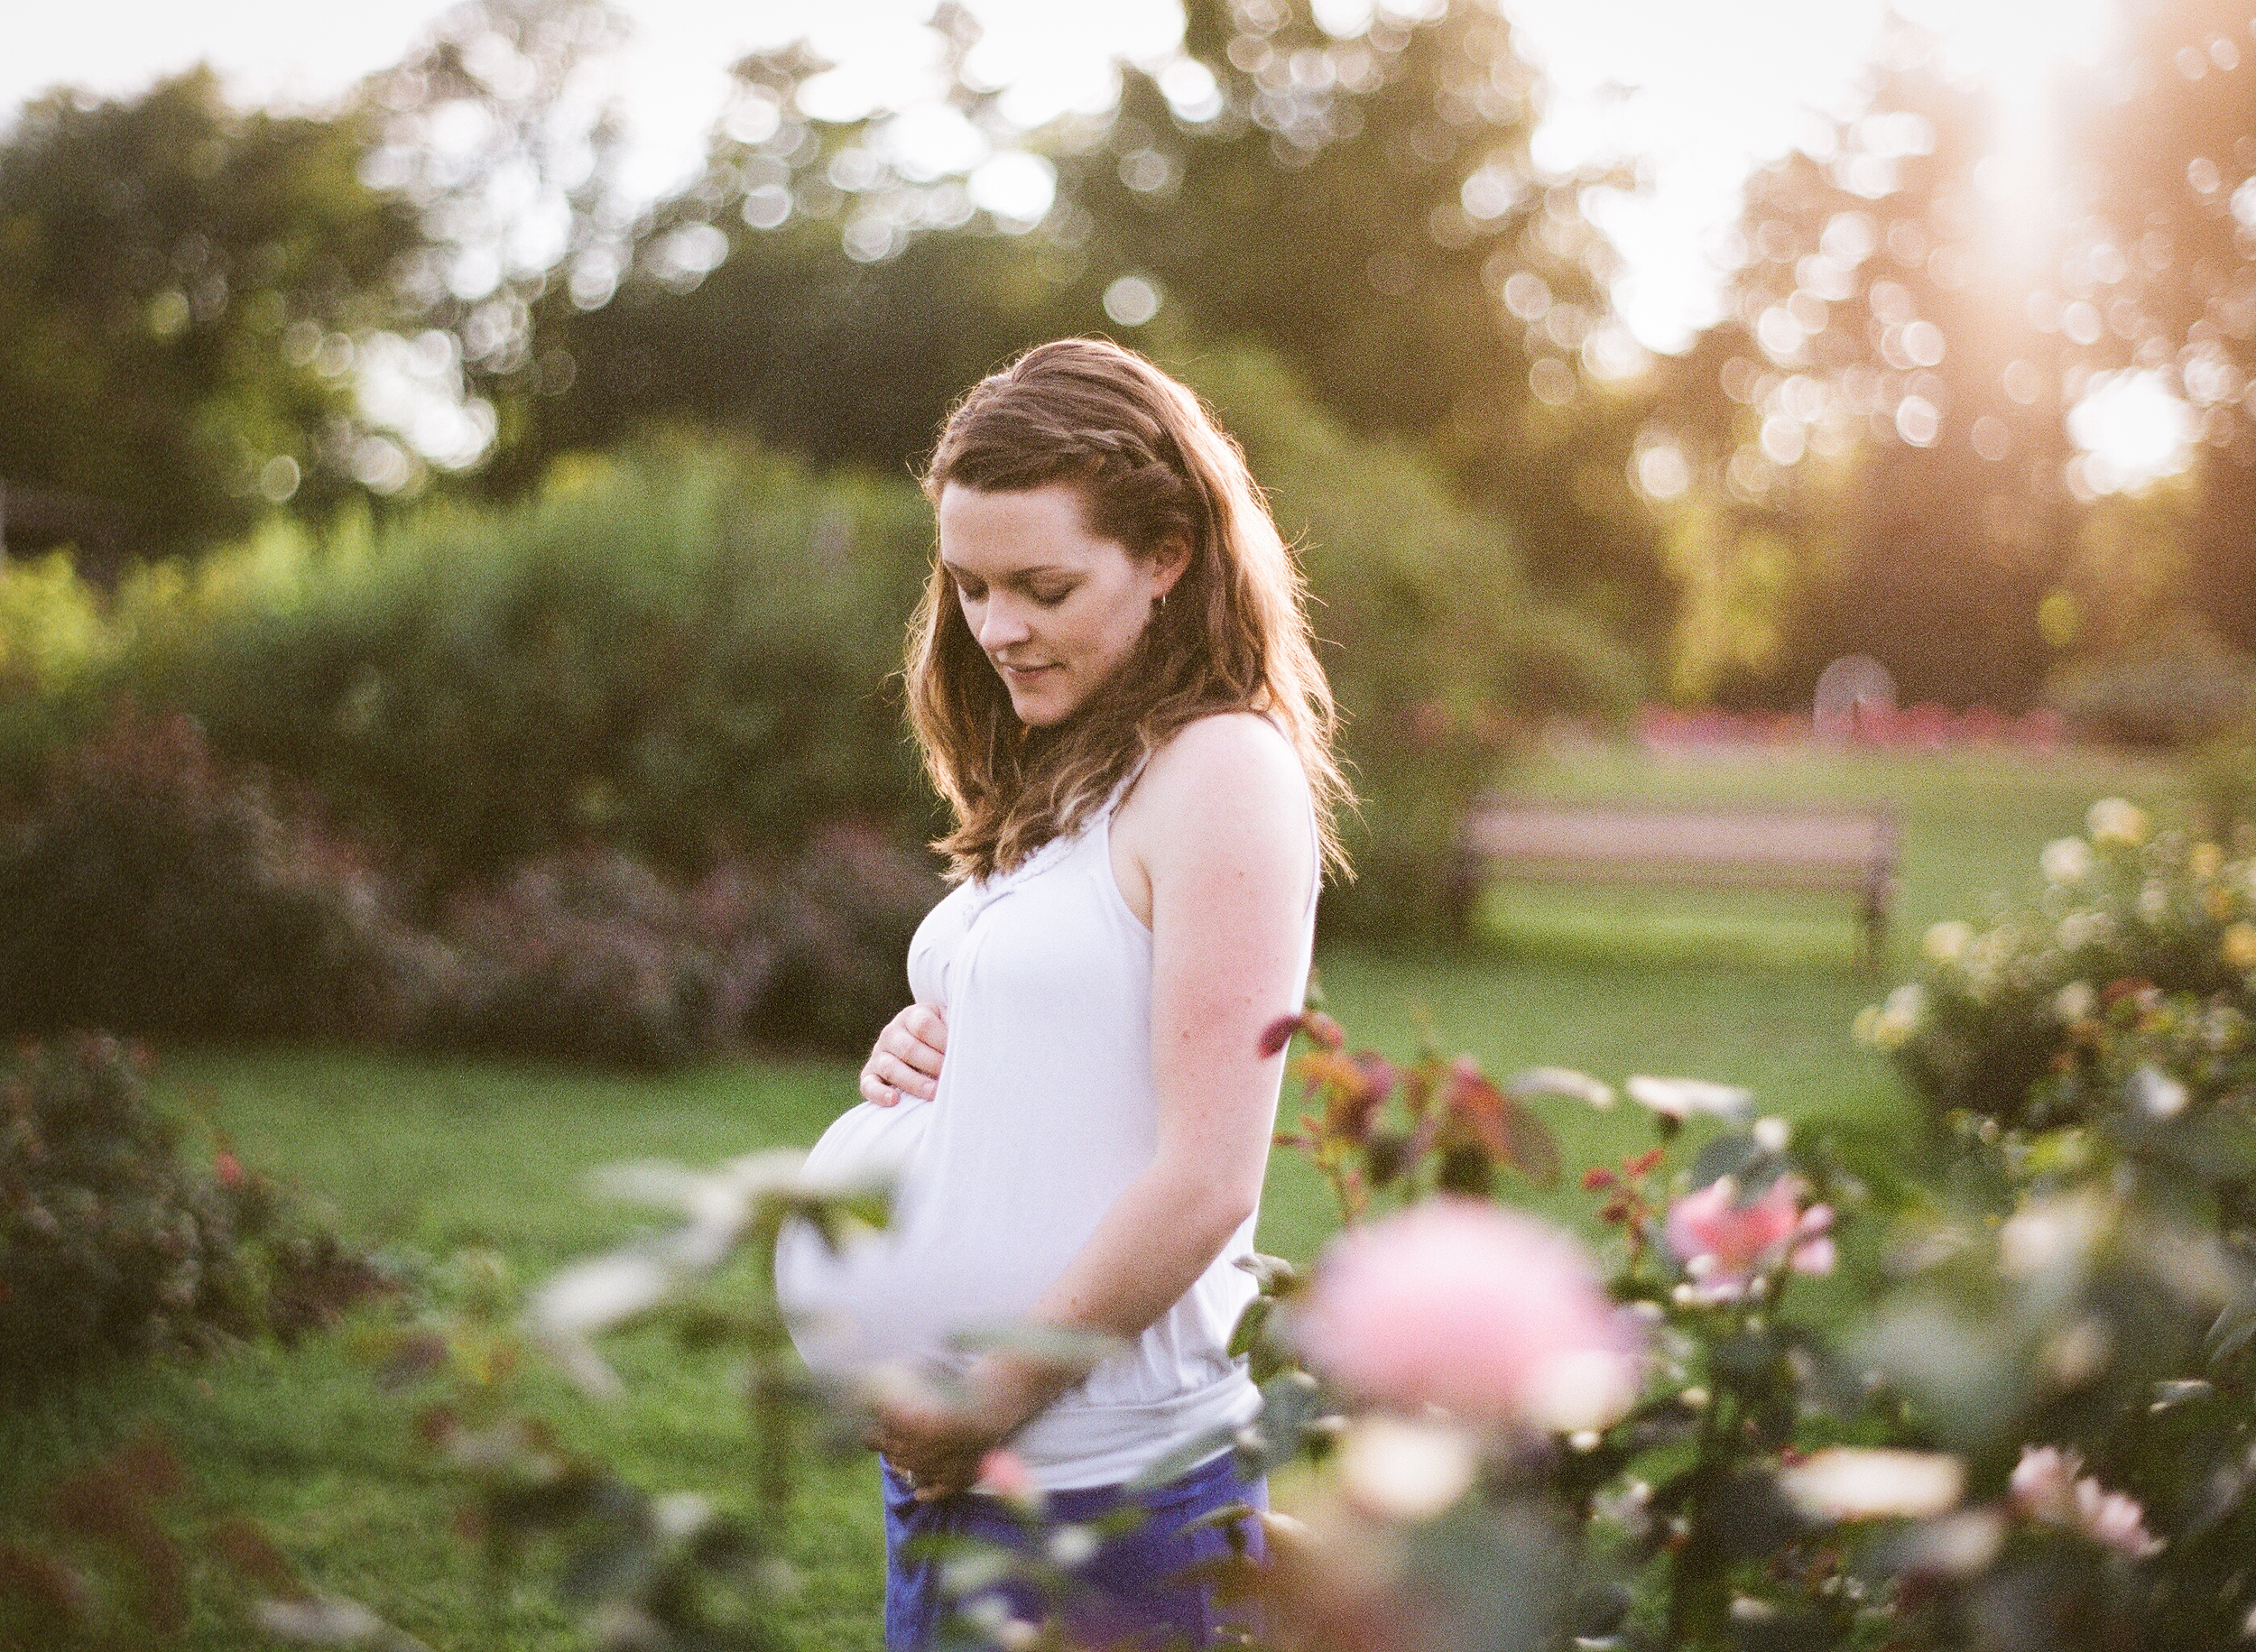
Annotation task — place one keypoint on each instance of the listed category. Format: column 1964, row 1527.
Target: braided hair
column 1152, row 466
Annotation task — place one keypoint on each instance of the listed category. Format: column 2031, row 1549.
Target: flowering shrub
column 2033, row 1432
column 2077, row 1320
column 593, row 956
column 114, row 1241
column 1999, row 1022
column 834, row 927
column 152, row 892
column 114, row 1244
column 1514, row 1446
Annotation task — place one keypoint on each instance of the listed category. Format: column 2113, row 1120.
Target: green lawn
column 1754, row 989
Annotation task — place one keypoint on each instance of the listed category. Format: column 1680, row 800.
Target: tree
column 1919, row 312
column 1361, row 205
column 179, row 283
column 497, row 132
column 2169, row 255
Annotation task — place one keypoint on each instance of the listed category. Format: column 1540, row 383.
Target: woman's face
column 1054, row 607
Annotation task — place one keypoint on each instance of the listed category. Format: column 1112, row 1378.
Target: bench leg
column 1873, row 922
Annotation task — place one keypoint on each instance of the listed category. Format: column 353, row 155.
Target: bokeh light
column 2132, row 431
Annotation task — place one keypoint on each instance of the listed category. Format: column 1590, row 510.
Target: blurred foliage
column 152, row 891
column 2005, row 1021
column 170, row 270
column 1442, row 658
column 2179, row 688
column 592, row 955
column 2224, row 776
column 1871, row 450
column 681, row 650
column 115, row 1244
column 671, row 1573
column 125, row 1546
column 157, row 890
column 1867, row 455
column 1316, row 211
column 490, row 131
column 2081, row 1277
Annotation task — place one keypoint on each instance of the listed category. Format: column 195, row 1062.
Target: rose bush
column 1998, row 1023
column 2027, row 1422
column 117, row 1239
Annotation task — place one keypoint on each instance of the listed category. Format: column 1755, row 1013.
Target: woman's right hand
column 906, row 1059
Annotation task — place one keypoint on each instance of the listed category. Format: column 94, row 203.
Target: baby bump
column 825, row 1293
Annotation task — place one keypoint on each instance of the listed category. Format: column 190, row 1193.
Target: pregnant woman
column 1113, row 684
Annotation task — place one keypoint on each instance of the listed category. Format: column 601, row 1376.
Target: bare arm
column 1218, row 826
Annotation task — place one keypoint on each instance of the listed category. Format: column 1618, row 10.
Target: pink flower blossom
column 1724, row 1244
column 2045, row 1487
column 2043, row 1484
column 1004, row 1474
column 2114, row 1520
column 1483, row 1312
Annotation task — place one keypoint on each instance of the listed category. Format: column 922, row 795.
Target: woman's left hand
column 936, row 1448
column 941, row 1446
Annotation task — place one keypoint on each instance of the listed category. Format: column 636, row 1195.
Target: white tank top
column 1046, row 1111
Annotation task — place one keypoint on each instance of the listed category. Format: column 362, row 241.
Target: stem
column 1689, row 1583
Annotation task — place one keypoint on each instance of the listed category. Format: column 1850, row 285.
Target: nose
column 1003, row 624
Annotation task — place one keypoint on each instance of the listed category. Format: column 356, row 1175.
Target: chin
column 1043, row 711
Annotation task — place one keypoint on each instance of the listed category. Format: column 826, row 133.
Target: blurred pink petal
column 2114, row 1520
column 1723, row 1243
column 1815, row 1257
column 1004, row 1474
column 2043, row 1484
column 1483, row 1312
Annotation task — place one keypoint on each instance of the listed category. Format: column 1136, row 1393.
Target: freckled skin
column 1054, row 607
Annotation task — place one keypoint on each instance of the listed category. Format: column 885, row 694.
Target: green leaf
column 1250, row 1325
column 1726, row 1155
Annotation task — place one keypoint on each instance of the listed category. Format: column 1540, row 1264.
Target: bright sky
column 1693, row 92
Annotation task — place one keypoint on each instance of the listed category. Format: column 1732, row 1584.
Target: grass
column 1754, row 989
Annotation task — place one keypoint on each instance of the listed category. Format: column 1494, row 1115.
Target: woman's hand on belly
column 906, row 1059
column 940, row 1448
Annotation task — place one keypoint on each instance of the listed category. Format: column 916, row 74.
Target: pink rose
column 1483, row 1312
column 1724, row 1244
column 2045, row 1487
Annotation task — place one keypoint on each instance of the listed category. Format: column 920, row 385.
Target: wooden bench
column 1787, row 846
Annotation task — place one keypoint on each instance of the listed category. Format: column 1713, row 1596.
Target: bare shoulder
column 1225, row 789
column 1230, row 760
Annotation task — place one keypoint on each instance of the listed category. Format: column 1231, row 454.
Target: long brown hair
column 1151, row 465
